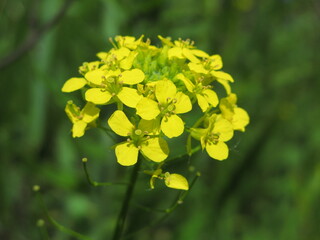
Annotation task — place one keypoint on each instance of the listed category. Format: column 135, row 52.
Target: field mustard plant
column 161, row 84
column 160, row 92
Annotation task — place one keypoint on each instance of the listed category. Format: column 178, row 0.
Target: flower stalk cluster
column 154, row 87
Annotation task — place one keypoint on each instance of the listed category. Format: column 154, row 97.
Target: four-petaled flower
column 109, row 84
column 213, row 138
column 81, row 119
column 170, row 103
column 205, row 96
column 230, row 111
column 151, row 147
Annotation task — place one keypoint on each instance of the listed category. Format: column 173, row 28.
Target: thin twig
column 94, row 183
column 34, row 36
column 177, row 202
column 58, row 225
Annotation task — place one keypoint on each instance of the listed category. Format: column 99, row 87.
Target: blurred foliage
column 267, row 189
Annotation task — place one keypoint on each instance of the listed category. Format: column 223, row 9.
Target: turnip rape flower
column 81, row 119
column 153, row 148
column 170, row 103
column 214, row 136
column 160, row 92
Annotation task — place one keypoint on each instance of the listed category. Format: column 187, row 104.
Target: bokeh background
column 269, row 188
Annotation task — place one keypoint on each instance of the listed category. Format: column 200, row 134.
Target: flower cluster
column 154, row 88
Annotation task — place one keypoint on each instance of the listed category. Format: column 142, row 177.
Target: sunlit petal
column 131, row 77
column 202, row 102
column 73, row 84
column 211, row 97
column 90, row 112
column 120, row 124
column 147, row 109
column 176, row 181
column 95, row 76
column 172, row 126
column 156, row 149
column 219, row 151
column 183, row 103
column 78, row 129
column 97, row 96
column 127, row 154
column 165, row 89
column 129, row 97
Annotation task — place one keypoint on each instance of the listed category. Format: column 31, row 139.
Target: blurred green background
column 269, row 188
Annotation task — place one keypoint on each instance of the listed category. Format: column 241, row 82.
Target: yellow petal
column 121, row 53
column 183, row 103
column 172, row 126
column 133, row 76
column 232, row 98
column 95, row 76
column 219, row 151
column 128, row 61
column 176, row 181
column 224, row 128
column 97, row 96
column 202, row 102
column 188, row 54
column 166, row 41
column 240, row 119
column 127, row 154
column 73, row 84
column 215, row 62
column 227, row 109
column 90, row 112
column 175, row 52
column 211, row 97
column 129, row 97
column 197, row 67
column 222, row 75
column 165, row 89
column 225, row 84
column 120, row 124
column 72, row 111
column 147, row 109
column 189, row 85
column 156, row 149
column 199, row 53
column 78, row 129
column 102, row 55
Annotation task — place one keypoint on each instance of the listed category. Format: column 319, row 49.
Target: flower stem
column 126, row 202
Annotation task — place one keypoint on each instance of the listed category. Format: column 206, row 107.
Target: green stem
column 126, row 202
column 95, row 183
column 58, row 225
column 178, row 201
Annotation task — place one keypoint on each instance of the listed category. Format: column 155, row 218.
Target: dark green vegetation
column 269, row 188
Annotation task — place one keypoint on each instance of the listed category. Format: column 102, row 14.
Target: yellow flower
column 151, row 147
column 237, row 116
column 109, row 84
column 170, row 103
column 128, row 41
column 205, row 96
column 213, row 137
column 171, row 180
column 210, row 66
column 81, row 119
column 185, row 49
